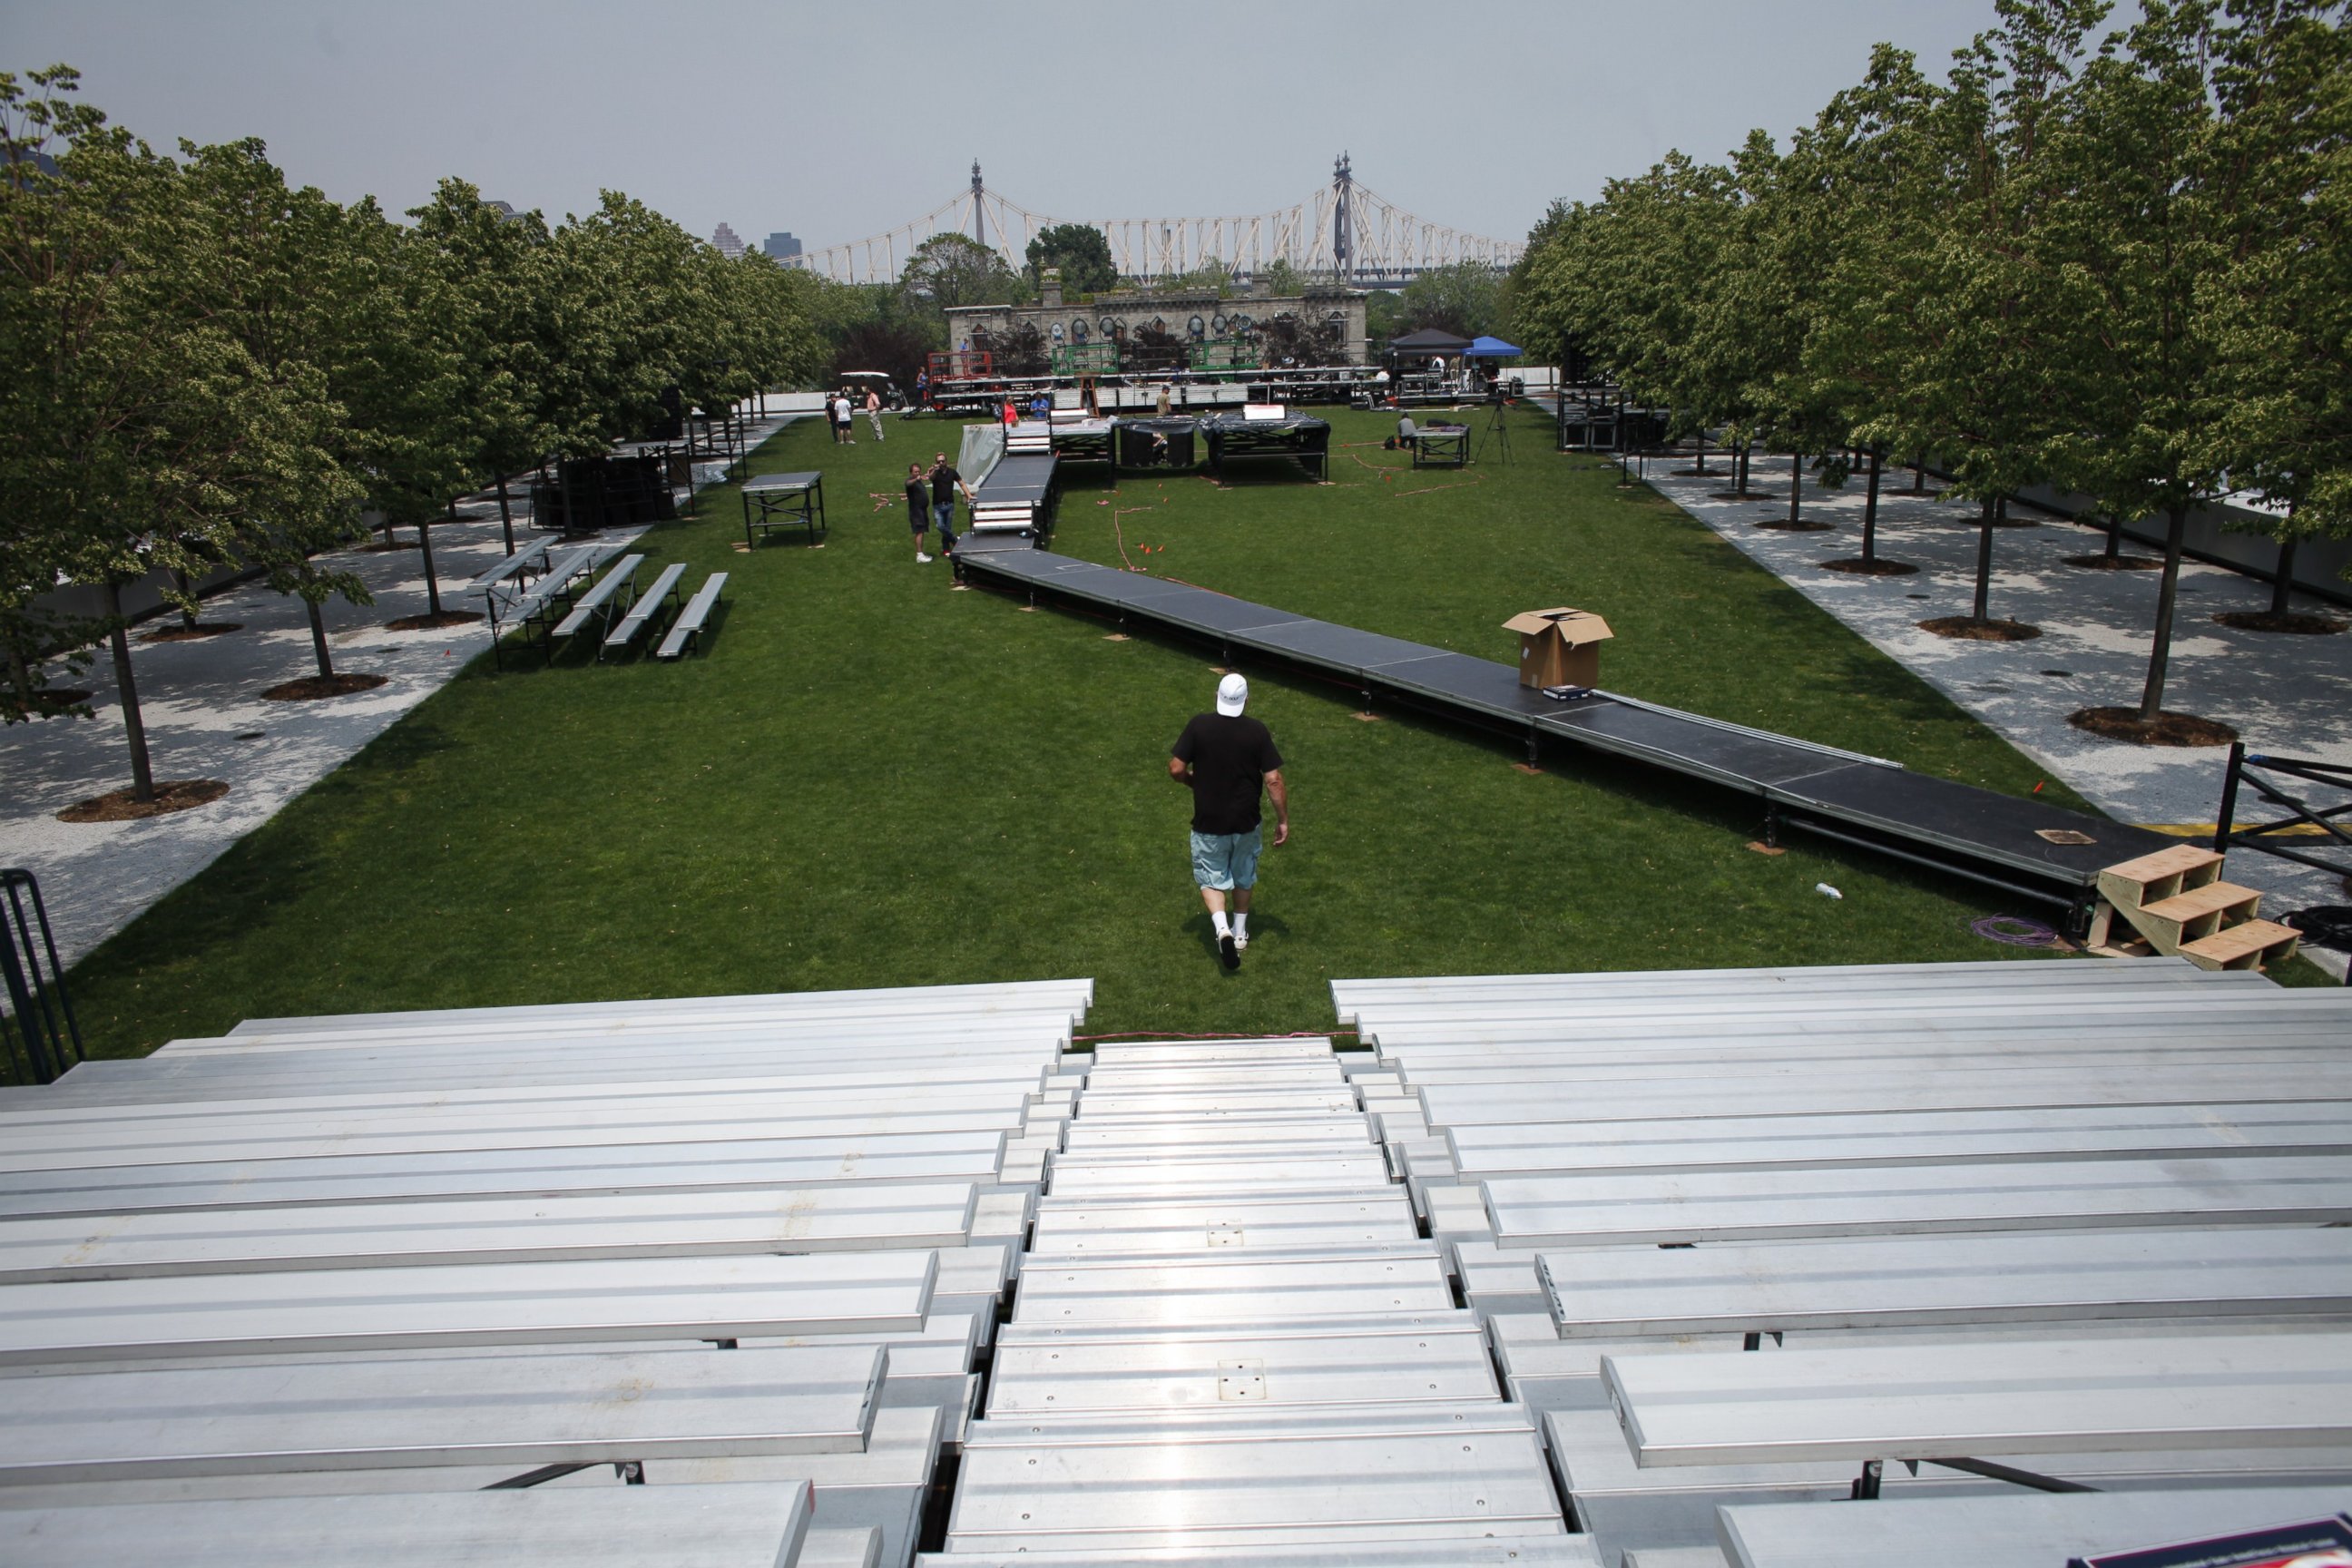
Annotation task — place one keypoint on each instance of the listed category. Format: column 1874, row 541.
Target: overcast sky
column 839, row 120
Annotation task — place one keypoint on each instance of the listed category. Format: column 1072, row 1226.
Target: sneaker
column 1230, row 951
column 920, row 557
column 1241, row 942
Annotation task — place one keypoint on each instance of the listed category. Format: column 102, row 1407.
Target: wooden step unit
column 2174, row 901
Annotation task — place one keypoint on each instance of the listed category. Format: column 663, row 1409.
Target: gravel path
column 2288, row 695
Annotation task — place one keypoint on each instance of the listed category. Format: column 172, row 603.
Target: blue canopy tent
column 1490, row 348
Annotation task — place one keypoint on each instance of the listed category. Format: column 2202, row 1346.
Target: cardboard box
column 1559, row 648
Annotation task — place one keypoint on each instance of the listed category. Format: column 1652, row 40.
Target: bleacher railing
column 38, row 1033
column 2305, row 819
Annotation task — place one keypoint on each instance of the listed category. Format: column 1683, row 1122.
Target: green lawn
column 871, row 780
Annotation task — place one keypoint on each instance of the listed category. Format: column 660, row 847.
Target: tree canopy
column 1080, row 251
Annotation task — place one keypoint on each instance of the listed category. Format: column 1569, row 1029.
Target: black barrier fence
column 38, row 1033
column 2307, row 820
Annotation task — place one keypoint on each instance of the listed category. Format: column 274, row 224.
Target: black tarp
column 1429, row 340
column 1139, row 443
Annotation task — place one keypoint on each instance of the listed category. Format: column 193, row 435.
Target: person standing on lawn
column 874, row 411
column 945, row 483
column 919, row 507
column 1225, row 759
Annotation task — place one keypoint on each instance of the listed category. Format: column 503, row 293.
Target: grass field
column 872, row 780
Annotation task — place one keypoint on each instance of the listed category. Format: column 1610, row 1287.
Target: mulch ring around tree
column 1878, row 566
column 379, row 547
column 312, row 688
column 171, row 796
column 1968, row 628
column 197, row 632
column 2115, row 563
column 2291, row 621
column 57, row 699
column 2166, row 729
column 1802, row 525
column 434, row 622
column 1745, row 495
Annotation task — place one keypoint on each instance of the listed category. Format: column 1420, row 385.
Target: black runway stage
column 1843, row 795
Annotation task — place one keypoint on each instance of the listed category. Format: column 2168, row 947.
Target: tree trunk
column 1796, row 484
column 2114, row 536
column 1984, row 561
column 2151, row 697
column 1919, row 475
column 187, row 617
column 432, row 582
column 1745, row 447
column 1870, row 513
column 505, row 518
column 143, row 775
column 2282, row 581
column 1700, row 467
column 20, row 675
column 319, row 639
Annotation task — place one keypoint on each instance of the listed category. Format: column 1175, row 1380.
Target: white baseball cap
column 1233, row 693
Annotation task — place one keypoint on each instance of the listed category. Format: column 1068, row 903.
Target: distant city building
column 505, row 210
column 729, row 243
column 782, row 245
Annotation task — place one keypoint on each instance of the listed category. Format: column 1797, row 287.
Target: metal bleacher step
column 1513, row 1552
column 1313, row 1479
column 1439, row 1359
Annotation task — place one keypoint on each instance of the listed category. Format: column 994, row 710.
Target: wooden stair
column 2174, row 901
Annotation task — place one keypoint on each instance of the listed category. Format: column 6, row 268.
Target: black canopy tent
column 1427, row 341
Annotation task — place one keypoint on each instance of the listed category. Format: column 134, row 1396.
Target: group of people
column 930, row 502
column 844, row 409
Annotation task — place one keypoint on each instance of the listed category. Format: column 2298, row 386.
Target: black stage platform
column 1018, row 497
column 1855, row 799
column 1306, row 441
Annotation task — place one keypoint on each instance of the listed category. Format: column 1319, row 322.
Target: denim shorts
column 1226, row 860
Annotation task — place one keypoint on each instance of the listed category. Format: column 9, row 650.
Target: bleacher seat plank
column 679, row 1527
column 472, row 1304
column 1861, row 1403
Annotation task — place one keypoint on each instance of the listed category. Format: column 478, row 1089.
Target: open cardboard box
column 1560, row 647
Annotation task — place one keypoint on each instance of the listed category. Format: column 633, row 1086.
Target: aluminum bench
column 687, row 629
column 1746, row 1206
column 643, row 609
column 466, row 1305
column 714, row 1527
column 1939, row 1280
column 598, row 604
column 358, row 1413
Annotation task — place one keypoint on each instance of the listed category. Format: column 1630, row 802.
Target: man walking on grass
column 1225, row 758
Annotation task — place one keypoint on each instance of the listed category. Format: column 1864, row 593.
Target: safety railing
column 39, row 1037
column 2321, row 826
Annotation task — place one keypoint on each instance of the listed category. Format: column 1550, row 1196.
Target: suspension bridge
column 1344, row 232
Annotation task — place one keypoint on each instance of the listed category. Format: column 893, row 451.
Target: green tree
column 494, row 274
column 1465, row 299
column 1283, row 281
column 2280, row 423
column 1082, row 253
column 948, row 271
column 1960, row 325
column 142, row 435
column 2167, row 210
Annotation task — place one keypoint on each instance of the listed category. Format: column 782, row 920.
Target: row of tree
column 2120, row 264
column 206, row 369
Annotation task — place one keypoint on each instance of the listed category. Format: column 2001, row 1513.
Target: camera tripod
column 1498, row 430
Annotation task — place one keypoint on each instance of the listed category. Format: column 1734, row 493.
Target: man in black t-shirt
column 945, row 483
column 919, row 507
column 1225, row 759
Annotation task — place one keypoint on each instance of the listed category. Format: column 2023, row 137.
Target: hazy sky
column 838, row 120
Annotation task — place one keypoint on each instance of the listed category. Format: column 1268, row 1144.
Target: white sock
column 1240, row 923
column 1223, row 930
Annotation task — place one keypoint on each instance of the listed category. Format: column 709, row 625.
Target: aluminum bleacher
column 1645, row 1269
column 1744, row 1237
column 431, row 1286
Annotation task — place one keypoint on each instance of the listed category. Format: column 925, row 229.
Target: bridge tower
column 979, row 214
column 1343, row 225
